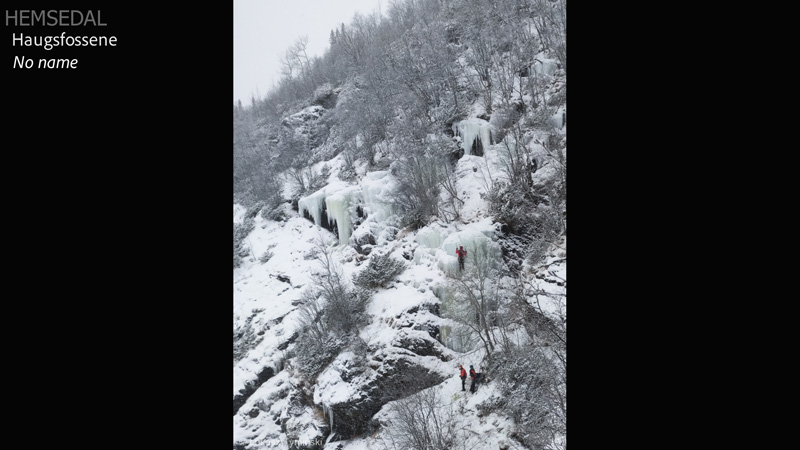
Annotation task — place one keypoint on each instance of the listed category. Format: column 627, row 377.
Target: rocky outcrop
column 397, row 377
column 303, row 423
column 398, row 370
column 238, row 400
column 422, row 347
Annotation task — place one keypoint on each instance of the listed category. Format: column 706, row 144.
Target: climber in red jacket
column 461, row 255
column 463, row 376
column 475, row 377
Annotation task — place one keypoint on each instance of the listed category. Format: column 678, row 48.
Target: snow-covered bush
column 328, row 328
column 514, row 205
column 240, row 232
column 504, row 118
column 239, row 344
column 244, row 338
column 266, row 256
column 254, row 209
column 532, row 373
column 325, row 96
column 312, row 355
column 277, row 213
column 476, row 297
column 266, row 189
column 330, row 316
column 349, row 158
column 237, row 260
column 531, row 222
column 306, row 180
column 550, row 224
column 533, row 387
column 380, row 270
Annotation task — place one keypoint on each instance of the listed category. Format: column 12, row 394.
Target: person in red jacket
column 475, row 377
column 463, row 376
column 461, row 255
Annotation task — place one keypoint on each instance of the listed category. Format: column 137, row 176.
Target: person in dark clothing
column 461, row 255
column 475, row 377
column 463, row 376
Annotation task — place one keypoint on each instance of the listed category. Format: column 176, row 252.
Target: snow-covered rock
column 303, row 423
column 352, row 398
column 301, row 119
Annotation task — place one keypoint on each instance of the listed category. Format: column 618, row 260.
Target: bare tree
column 418, row 186
column 424, row 421
column 532, row 375
column 305, row 179
column 550, row 20
column 477, row 295
column 296, row 66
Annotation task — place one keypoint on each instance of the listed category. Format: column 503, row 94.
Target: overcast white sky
column 264, row 29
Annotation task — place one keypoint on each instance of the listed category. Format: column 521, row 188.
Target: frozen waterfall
column 338, row 206
column 340, row 200
column 472, row 129
column 337, row 200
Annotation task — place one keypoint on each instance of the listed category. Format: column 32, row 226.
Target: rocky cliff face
column 401, row 359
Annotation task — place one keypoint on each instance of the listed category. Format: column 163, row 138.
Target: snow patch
column 238, row 213
column 544, row 66
column 330, row 388
column 473, row 181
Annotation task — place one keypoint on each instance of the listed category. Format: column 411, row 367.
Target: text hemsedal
column 53, row 18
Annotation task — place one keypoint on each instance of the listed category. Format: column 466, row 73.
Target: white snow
column 474, row 180
column 543, row 65
column 376, row 188
column 238, row 213
column 258, row 292
column 330, row 387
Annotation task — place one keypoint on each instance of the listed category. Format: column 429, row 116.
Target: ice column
column 312, row 204
column 472, row 129
column 328, row 412
column 338, row 210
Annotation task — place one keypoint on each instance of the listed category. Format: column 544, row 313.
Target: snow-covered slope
column 368, row 188
column 275, row 407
